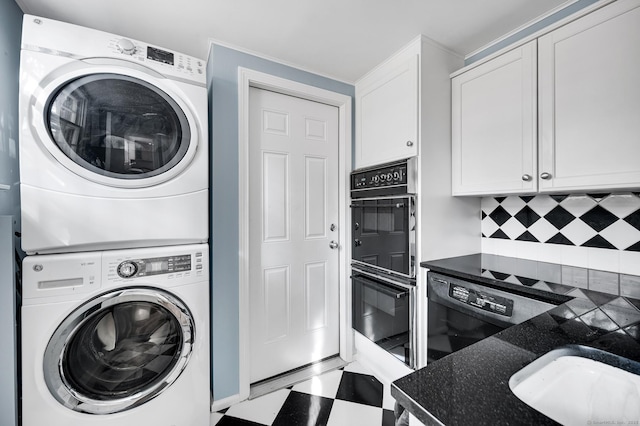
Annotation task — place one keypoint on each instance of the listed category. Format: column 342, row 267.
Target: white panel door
column 590, row 101
column 293, row 203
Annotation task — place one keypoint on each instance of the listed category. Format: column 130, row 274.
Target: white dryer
column 113, row 142
column 116, row 338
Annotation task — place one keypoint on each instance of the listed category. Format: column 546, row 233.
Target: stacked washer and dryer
column 114, row 199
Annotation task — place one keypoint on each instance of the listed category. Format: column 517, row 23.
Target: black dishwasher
column 461, row 313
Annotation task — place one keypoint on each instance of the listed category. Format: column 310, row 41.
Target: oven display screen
column 159, row 55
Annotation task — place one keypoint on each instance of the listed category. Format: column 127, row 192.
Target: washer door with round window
column 119, row 350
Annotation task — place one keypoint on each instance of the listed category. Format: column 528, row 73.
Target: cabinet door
column 387, row 114
column 494, row 135
column 590, row 101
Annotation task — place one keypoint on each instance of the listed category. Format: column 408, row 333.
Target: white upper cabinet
column 586, row 104
column 387, row 112
column 494, row 138
column 589, row 79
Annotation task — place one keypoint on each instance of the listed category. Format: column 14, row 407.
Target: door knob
column 333, row 245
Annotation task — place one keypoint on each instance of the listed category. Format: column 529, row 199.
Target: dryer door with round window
column 118, row 129
column 119, row 350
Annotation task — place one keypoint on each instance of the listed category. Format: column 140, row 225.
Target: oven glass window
column 118, row 126
column 381, row 314
column 381, row 233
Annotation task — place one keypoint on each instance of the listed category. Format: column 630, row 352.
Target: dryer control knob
column 127, row 269
column 126, row 46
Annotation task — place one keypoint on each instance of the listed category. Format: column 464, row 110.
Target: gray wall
column 561, row 14
column 10, row 33
column 223, row 104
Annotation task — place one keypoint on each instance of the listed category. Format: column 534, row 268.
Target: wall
column 531, row 29
column 222, row 75
column 10, row 33
column 595, row 231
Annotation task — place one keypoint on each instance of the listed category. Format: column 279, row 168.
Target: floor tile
column 356, row 367
column 324, row 385
column 349, row 396
column 360, row 388
column 215, row 418
column 352, row 414
column 304, row 409
column 233, row 421
column 261, row 410
column 388, row 402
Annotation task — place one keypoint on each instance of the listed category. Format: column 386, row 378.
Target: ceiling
column 341, row 39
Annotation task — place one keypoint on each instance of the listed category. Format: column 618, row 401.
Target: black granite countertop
column 597, row 309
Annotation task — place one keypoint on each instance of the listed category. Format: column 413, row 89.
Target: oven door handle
column 358, row 272
column 382, row 288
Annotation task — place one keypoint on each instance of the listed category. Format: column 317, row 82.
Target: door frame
column 250, row 78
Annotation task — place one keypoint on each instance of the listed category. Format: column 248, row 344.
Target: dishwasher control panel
column 482, row 300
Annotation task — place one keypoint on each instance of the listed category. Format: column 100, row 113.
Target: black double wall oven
column 383, row 200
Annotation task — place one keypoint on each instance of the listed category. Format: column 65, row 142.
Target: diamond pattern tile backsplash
column 604, row 221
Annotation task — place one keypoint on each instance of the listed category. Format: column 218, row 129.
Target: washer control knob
column 127, row 269
column 126, row 46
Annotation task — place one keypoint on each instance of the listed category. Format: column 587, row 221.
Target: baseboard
column 223, row 403
column 382, row 364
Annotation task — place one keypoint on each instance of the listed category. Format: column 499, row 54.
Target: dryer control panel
column 60, row 38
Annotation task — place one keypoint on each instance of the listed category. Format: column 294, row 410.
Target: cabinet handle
column 526, row 177
column 545, row 176
column 409, row 143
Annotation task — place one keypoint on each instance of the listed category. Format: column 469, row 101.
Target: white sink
column 576, row 385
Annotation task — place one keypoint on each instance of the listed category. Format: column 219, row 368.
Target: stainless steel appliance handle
column 379, row 277
column 382, row 288
column 390, row 197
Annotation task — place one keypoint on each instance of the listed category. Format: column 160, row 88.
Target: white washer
column 113, row 142
column 116, row 338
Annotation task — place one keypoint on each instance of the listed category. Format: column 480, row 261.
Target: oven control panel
column 393, row 179
column 482, row 300
column 393, row 175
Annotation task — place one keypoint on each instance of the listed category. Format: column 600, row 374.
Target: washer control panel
column 154, row 266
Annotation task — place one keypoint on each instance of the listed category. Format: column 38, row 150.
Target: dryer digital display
column 159, row 55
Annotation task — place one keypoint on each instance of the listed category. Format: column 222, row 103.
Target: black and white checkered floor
column 350, row 396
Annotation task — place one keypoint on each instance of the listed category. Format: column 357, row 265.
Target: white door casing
column 293, row 200
column 247, row 78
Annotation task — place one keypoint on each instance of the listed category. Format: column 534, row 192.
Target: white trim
column 231, row 46
column 250, row 78
column 521, row 27
column 227, row 402
column 580, row 13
